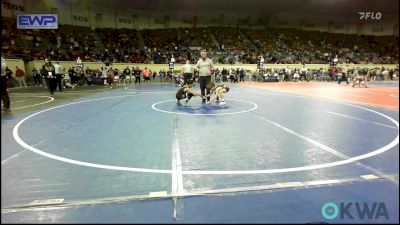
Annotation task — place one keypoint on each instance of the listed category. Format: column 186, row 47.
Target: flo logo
column 350, row 210
column 370, row 15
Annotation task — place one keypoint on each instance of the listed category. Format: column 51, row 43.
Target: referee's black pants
column 305, row 77
column 343, row 78
column 59, row 80
column 52, row 85
column 204, row 81
column 186, row 77
column 137, row 79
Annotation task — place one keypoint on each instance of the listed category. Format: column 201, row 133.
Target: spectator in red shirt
column 146, row 74
column 20, row 76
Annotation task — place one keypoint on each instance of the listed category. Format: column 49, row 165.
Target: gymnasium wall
column 98, row 17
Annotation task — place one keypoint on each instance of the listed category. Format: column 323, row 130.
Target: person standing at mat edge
column 344, row 74
column 205, row 66
column 4, row 92
column 59, row 75
column 187, row 71
column 20, row 77
column 48, row 71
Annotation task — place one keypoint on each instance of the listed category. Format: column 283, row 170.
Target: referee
column 187, row 71
column 205, row 66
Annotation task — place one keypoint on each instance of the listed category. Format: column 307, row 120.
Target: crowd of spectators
column 225, row 45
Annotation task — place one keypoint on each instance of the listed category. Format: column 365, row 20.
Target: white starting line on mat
column 255, row 106
column 38, row 96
